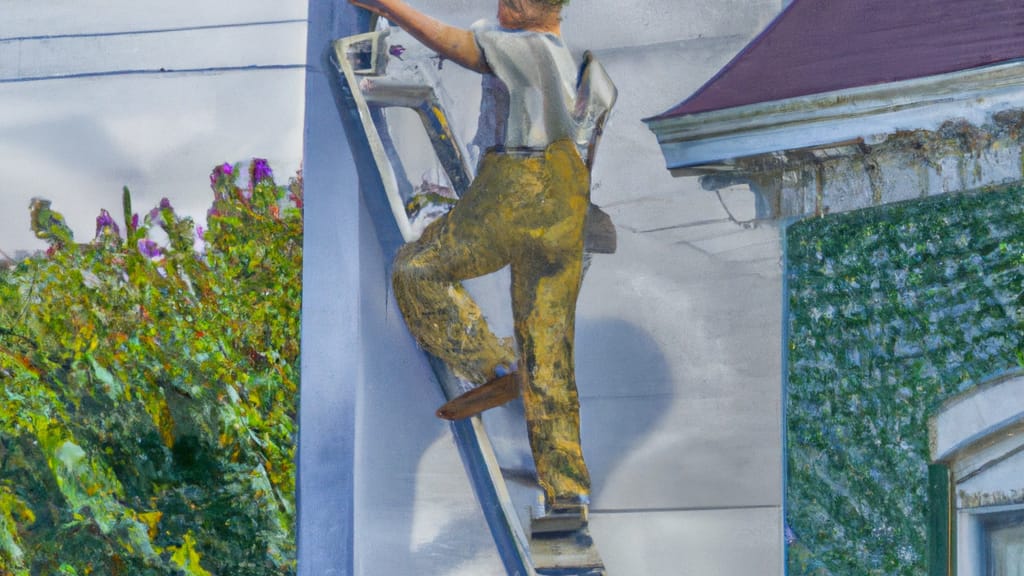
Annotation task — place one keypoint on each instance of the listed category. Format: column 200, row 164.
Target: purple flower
column 150, row 249
column 200, row 232
column 105, row 225
column 260, row 171
column 135, row 221
column 397, row 50
column 220, row 173
column 156, row 215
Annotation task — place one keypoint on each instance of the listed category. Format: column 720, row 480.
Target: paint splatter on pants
column 527, row 212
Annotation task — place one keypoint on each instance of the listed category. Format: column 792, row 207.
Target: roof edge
column 732, row 62
column 715, row 137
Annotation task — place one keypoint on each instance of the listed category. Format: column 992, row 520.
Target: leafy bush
column 149, row 391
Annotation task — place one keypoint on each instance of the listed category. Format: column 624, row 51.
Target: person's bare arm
column 455, row 44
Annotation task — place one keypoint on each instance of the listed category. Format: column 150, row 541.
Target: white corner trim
column 710, row 140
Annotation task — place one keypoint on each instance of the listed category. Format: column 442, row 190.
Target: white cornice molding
column 709, row 141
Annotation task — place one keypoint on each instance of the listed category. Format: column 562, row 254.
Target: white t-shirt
column 529, row 97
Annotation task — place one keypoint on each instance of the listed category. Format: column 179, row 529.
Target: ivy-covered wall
column 891, row 311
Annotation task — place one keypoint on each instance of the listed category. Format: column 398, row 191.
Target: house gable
column 815, row 47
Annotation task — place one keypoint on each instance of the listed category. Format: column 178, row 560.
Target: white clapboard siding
column 22, row 18
column 238, row 46
column 98, row 95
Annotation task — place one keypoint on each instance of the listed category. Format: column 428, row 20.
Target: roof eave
column 711, row 141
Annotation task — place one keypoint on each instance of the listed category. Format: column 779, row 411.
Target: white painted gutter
column 707, row 142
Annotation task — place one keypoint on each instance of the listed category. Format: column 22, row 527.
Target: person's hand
column 455, row 44
column 381, row 7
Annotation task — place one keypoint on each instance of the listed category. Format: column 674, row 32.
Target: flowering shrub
column 149, row 392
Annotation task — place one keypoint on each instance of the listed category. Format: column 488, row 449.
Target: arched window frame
column 976, row 481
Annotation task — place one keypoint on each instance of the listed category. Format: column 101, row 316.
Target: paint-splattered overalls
column 526, row 209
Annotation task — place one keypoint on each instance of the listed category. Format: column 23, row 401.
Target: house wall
column 678, row 354
column 97, row 95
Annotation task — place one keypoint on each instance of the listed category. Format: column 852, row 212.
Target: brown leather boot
column 494, row 393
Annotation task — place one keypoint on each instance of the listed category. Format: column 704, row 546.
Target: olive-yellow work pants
column 526, row 211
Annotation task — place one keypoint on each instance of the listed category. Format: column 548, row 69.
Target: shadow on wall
column 426, row 515
column 617, row 420
column 613, row 426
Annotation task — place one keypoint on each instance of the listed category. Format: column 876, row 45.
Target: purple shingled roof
column 817, row 46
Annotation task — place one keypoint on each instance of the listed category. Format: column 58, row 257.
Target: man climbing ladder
column 526, row 208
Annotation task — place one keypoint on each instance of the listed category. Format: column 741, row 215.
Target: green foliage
column 891, row 312
column 149, row 392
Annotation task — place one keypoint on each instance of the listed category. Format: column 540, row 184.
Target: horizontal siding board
column 20, row 18
column 197, row 49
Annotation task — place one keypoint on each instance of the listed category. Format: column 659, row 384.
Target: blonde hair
column 535, row 14
column 541, row 3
